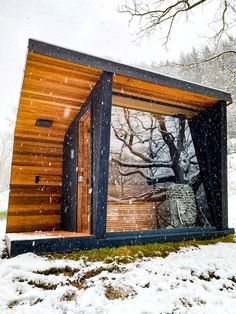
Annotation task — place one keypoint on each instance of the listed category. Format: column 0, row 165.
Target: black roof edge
column 122, row 69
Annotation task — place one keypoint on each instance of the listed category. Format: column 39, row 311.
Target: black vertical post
column 101, row 120
column 223, row 158
column 209, row 134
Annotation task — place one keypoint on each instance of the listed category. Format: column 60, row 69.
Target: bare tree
column 153, row 15
column 118, row 179
column 160, row 150
column 150, row 152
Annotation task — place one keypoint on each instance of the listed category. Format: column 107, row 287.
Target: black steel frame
column 122, row 69
column 209, row 134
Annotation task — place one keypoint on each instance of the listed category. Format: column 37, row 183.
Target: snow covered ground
column 191, row 281
column 3, row 209
column 232, row 189
column 4, row 201
column 194, row 280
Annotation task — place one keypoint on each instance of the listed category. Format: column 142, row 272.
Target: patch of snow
column 29, row 236
column 190, row 281
column 2, row 234
column 232, row 189
column 4, row 201
column 3, row 208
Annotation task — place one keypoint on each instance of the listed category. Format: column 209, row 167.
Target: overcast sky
column 92, row 26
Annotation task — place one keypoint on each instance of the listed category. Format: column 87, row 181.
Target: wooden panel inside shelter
column 132, row 216
column 53, row 90
column 185, row 102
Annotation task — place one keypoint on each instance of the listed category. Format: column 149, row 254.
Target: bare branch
column 165, row 220
column 181, row 133
column 130, row 146
column 160, row 13
column 142, row 166
column 152, row 195
column 217, row 56
column 130, row 173
column 152, row 15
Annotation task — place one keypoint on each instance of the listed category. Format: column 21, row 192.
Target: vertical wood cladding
column 84, row 158
column 70, row 174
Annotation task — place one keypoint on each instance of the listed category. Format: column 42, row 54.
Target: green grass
column 127, row 254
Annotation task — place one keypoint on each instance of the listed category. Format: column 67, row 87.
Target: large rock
column 179, row 209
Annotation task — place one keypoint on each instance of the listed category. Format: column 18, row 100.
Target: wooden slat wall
column 150, row 107
column 146, row 90
column 54, row 90
column 131, row 217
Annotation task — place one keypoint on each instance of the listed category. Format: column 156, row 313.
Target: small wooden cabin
column 106, row 154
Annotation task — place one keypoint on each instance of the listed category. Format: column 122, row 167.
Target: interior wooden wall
column 55, row 90
column 132, row 217
column 185, row 101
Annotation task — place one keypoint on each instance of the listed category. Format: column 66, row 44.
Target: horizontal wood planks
column 52, row 90
column 53, row 234
column 133, row 87
column 132, row 217
column 150, row 107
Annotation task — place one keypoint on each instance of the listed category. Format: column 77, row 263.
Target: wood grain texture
column 150, row 107
column 83, row 209
column 134, row 87
column 53, row 90
column 132, row 217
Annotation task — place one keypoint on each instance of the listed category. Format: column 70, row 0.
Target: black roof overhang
column 125, row 70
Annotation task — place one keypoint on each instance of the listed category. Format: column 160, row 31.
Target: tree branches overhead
column 162, row 16
column 152, row 15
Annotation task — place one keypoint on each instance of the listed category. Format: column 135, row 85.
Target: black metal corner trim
column 101, row 120
column 122, row 69
column 209, row 134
